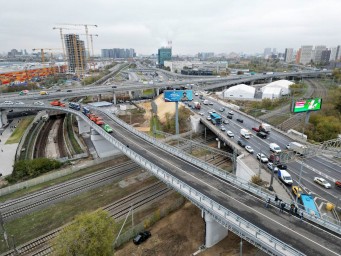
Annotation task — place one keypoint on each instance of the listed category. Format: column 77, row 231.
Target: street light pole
column 272, row 173
column 299, row 181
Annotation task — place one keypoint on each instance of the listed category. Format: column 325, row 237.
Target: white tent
column 271, row 92
column 240, row 91
column 283, row 84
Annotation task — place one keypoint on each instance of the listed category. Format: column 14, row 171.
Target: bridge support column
column 3, row 118
column 219, row 142
column 102, row 146
column 83, row 127
column 269, row 80
column 99, row 97
column 157, row 90
column 131, row 94
column 214, row 231
column 114, row 98
column 252, row 82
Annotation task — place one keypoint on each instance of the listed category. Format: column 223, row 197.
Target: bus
column 309, row 205
column 75, row 106
column 86, row 111
column 216, row 119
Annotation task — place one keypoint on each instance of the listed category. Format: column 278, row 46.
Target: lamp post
column 272, row 173
column 299, row 181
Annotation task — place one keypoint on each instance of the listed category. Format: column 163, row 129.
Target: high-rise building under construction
column 75, row 51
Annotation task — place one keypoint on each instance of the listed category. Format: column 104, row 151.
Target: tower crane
column 86, row 32
column 62, row 38
column 42, row 52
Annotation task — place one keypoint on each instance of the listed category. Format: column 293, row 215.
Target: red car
column 255, row 129
column 338, row 184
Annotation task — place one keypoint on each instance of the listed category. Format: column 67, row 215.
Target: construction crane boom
column 62, row 39
column 42, row 52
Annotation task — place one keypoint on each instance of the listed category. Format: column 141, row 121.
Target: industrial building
column 240, row 91
column 276, row 89
column 271, row 93
column 75, row 51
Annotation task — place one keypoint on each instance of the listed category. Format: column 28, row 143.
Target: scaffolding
column 76, row 54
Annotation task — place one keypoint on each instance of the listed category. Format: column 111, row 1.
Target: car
column 38, row 103
column 262, row 158
column 222, row 128
column 272, row 167
column 226, row 121
column 287, row 146
column 196, row 94
column 210, row 103
column 222, row 109
column 282, row 166
column 322, row 182
column 338, row 184
column 69, row 90
column 19, row 103
column 8, row 102
column 229, row 117
column 141, row 237
column 231, row 113
column 241, row 143
column 210, row 112
column 209, row 118
column 240, row 120
column 249, row 149
column 255, row 129
column 58, row 90
column 296, row 190
column 201, row 113
column 114, row 86
column 230, row 134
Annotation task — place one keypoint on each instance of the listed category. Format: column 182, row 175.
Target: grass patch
column 40, row 222
column 70, row 132
column 148, row 92
column 19, row 131
column 74, row 175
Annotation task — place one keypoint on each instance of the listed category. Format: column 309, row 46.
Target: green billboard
column 307, row 105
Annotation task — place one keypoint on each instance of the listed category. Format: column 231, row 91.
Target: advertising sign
column 178, row 95
column 307, row 105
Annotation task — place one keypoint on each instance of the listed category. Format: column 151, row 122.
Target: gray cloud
column 193, row 26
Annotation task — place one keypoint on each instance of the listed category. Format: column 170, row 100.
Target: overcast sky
column 219, row 26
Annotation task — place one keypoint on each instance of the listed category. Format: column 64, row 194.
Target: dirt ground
column 182, row 233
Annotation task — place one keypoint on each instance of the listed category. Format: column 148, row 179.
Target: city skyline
column 219, row 27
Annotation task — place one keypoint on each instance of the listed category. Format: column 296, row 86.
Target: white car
column 19, row 103
column 196, row 94
column 209, row 118
column 230, row 134
column 272, row 167
column 249, row 149
column 8, row 102
column 231, row 113
column 38, row 103
column 322, row 182
column 222, row 128
column 225, row 121
column 201, row 113
column 262, row 158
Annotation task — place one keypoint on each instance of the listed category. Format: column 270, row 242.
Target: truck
column 263, row 127
column 43, row 93
column 196, row 105
column 285, row 177
column 57, row 103
column 206, row 102
column 297, row 148
column 98, row 120
column 245, row 133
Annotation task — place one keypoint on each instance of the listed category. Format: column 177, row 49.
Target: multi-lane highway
column 311, row 166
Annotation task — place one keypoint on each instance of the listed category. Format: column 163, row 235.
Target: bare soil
column 182, row 233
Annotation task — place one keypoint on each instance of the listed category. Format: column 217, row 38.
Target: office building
column 306, row 54
column 75, row 51
column 325, row 56
column 118, row 53
column 288, row 55
column 318, row 53
column 335, row 53
column 164, row 54
column 267, row 53
column 205, row 55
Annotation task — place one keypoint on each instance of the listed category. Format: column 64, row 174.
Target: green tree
column 90, row 234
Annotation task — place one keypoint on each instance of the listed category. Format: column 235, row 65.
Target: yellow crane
column 86, row 33
column 42, row 52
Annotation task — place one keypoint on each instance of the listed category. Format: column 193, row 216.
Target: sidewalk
column 7, row 151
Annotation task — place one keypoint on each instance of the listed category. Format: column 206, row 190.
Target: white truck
column 245, row 133
column 297, row 148
column 284, row 176
column 263, row 127
column 206, row 102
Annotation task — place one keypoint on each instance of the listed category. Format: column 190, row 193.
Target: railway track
column 60, row 139
column 40, row 146
column 136, row 200
column 21, row 206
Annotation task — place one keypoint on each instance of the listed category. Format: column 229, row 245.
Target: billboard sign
column 178, row 95
column 307, row 105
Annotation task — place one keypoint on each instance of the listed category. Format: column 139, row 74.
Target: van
column 285, row 177
column 43, row 93
column 275, row 148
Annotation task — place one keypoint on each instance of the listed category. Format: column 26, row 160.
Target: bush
column 27, row 169
column 255, row 179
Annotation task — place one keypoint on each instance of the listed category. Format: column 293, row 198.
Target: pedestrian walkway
column 7, row 151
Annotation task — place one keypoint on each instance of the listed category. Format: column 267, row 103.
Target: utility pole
column 272, row 173
column 299, row 181
column 3, row 229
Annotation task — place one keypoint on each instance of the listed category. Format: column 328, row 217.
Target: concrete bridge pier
column 114, row 99
column 157, row 90
column 103, row 147
column 131, row 94
column 219, row 142
column 83, row 127
column 3, row 118
column 214, row 231
column 99, row 98
column 252, row 82
column 269, row 80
